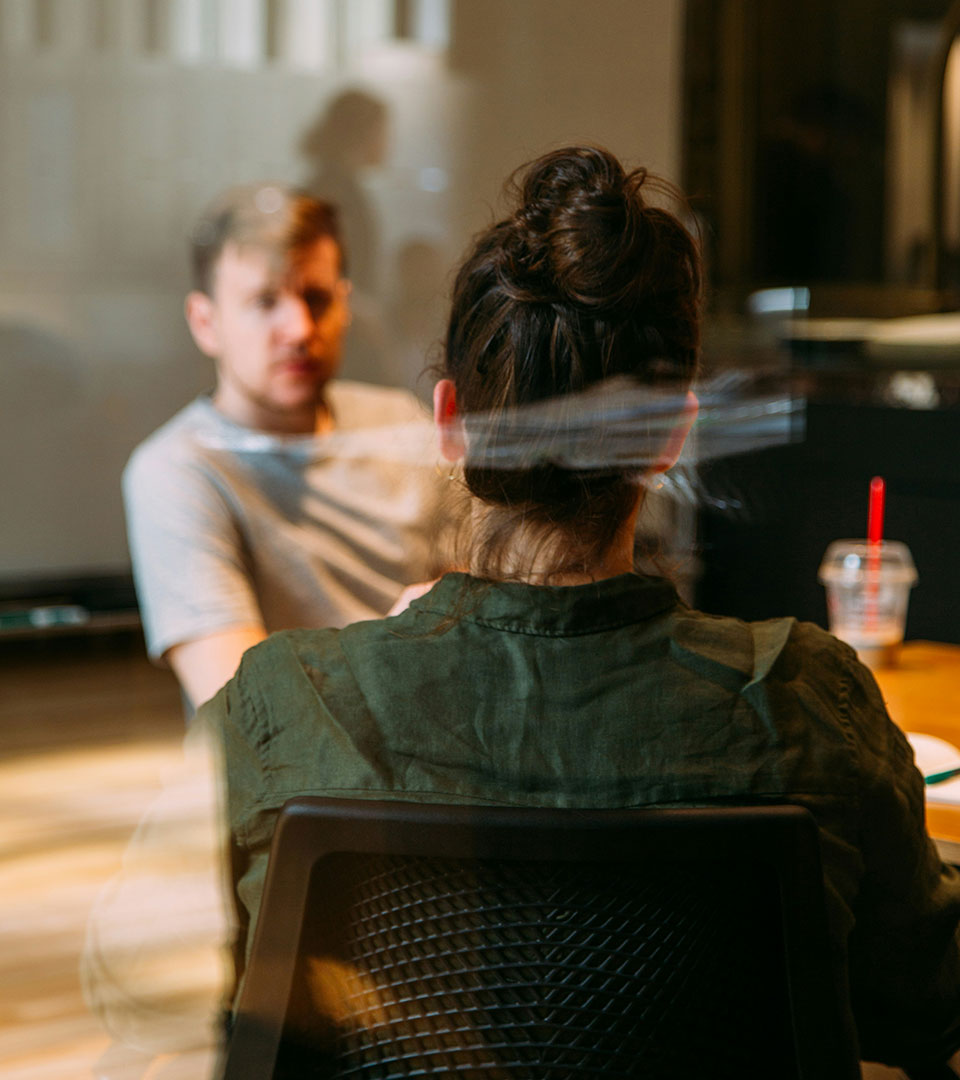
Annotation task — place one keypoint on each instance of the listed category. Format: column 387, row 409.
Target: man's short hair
column 272, row 217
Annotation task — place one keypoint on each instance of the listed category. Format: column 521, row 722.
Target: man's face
column 275, row 327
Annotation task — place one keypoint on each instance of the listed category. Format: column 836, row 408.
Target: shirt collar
column 548, row 609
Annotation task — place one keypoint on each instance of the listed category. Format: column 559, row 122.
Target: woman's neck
column 535, row 558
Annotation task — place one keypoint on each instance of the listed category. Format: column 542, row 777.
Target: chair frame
column 310, row 828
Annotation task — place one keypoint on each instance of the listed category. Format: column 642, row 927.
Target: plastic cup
column 868, row 586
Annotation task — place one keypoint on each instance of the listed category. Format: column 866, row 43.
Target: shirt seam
column 258, row 734
column 848, row 735
column 634, row 619
column 265, row 803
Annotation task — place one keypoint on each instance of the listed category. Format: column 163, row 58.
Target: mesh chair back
column 538, row 944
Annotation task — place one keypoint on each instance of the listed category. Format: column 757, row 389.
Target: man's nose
column 297, row 322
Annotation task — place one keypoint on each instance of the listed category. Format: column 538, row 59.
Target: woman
column 551, row 674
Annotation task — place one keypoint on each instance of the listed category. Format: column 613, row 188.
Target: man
column 283, row 498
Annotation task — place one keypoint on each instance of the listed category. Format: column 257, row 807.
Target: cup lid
column 847, row 561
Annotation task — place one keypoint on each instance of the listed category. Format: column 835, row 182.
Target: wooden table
column 923, row 694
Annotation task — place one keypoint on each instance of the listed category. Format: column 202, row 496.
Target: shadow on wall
column 398, row 315
column 349, row 137
column 69, row 418
column 417, row 312
column 48, row 446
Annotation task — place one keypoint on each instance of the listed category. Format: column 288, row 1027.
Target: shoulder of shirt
column 367, row 404
column 759, row 651
column 818, row 657
column 171, row 443
column 299, row 646
column 269, row 664
column 317, row 650
column 813, row 640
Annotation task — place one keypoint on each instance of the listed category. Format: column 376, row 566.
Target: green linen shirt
column 615, row 694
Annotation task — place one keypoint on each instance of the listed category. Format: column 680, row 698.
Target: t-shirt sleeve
column 189, row 561
column 904, row 952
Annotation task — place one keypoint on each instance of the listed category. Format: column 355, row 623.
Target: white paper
column 935, row 755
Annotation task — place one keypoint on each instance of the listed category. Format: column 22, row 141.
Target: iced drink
column 868, row 586
column 876, row 645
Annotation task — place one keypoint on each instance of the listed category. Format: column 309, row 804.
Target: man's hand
column 204, row 665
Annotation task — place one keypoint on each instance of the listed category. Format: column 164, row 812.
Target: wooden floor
column 97, row 923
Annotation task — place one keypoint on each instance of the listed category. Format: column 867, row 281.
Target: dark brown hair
column 273, row 217
column 587, row 280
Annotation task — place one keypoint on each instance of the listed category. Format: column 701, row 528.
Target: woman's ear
column 678, row 435
column 446, row 416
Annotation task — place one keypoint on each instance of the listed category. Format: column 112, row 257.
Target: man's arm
column 205, row 664
column 197, row 600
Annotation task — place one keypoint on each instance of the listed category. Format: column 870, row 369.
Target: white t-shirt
column 234, row 527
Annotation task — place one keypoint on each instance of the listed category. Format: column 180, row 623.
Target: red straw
column 874, row 539
column 875, row 513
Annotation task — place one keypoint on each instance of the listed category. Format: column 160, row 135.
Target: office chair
column 405, row 940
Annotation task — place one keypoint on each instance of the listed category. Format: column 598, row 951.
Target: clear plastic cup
column 868, row 586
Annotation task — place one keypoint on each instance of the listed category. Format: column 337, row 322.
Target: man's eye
column 318, row 301
column 266, row 301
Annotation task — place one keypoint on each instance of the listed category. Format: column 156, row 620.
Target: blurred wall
column 120, row 119
column 549, row 72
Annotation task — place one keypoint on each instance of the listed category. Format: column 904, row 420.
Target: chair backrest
column 399, row 940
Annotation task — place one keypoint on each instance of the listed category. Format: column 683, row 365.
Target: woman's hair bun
column 580, row 231
column 586, row 284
